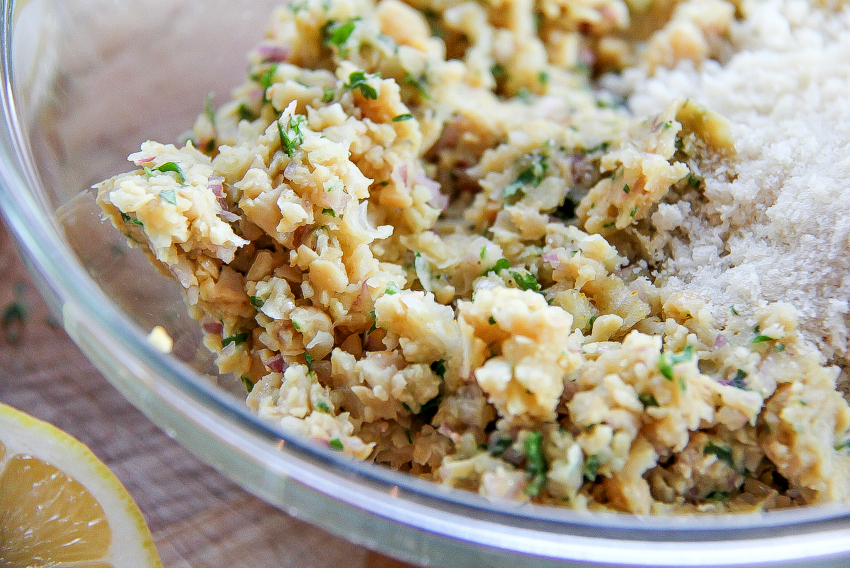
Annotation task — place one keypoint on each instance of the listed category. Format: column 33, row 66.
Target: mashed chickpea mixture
column 423, row 234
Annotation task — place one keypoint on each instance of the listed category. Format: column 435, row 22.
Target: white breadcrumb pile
column 589, row 254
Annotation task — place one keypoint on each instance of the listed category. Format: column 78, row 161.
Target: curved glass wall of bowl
column 85, row 82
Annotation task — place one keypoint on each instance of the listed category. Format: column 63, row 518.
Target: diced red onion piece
column 273, row 53
column 276, row 364
column 214, row 327
column 720, row 341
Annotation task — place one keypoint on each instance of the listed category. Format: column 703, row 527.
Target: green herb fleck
column 491, row 320
column 335, row 444
column 418, row 84
column 779, row 347
column 327, row 211
column 734, row 311
column 501, row 264
column 439, row 368
column 291, row 136
column 499, row 447
column 608, row 225
column 543, row 78
column 483, row 252
column 168, row 167
column 762, row 339
column 392, row 288
column 358, row 80
column 498, row 71
column 402, row 117
column 717, row 496
column 591, row 467
column 309, row 360
column 374, row 322
column 668, row 360
column 322, row 406
column 723, row 453
column 169, row 196
column 296, row 325
column 535, row 463
column 245, row 113
column 337, row 35
column 247, row 383
column 535, row 168
column 235, row 339
column 842, row 445
column 525, row 281
column 626, row 188
column 328, row 94
column 738, row 379
column 256, row 302
column 127, row 219
column 633, row 212
column 693, row 180
column 647, row 400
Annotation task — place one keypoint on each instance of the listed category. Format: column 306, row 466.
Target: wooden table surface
column 198, row 518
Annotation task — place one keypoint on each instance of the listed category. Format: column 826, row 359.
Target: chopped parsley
column 501, row 264
column 535, row 167
column 591, row 467
column 337, row 35
column 374, row 322
column 647, row 400
column 491, row 320
column 762, row 339
column 169, row 196
column 322, row 406
column 168, row 167
column 668, row 360
column 245, row 113
column 693, row 180
column 309, row 360
column 392, row 288
column 402, row 117
column 499, row 447
column 256, row 302
column 543, row 78
column 525, row 281
column 439, row 368
column 248, row 383
column 328, row 211
column 535, row 463
column 428, row 410
column 498, row 71
column 843, row 445
column 626, row 188
column 358, row 80
column 723, row 453
column 328, row 94
column 738, row 379
column 236, row 339
column 291, row 136
column 127, row 219
column 335, row 444
column 418, row 84
column 633, row 212
column 717, row 496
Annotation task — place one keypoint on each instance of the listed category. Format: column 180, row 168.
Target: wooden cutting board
column 198, row 518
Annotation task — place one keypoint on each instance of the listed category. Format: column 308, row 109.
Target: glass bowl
column 84, row 81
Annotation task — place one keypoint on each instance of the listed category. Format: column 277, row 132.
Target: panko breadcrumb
column 422, row 234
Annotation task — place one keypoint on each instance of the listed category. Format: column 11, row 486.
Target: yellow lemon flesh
column 61, row 507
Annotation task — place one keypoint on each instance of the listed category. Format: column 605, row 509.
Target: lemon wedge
column 60, row 506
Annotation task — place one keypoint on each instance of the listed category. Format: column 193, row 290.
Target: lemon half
column 61, row 507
